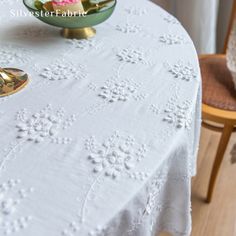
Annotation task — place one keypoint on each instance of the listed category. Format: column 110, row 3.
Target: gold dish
column 12, row 80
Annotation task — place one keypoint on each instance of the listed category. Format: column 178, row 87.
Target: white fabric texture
column 103, row 140
column 231, row 53
column 205, row 21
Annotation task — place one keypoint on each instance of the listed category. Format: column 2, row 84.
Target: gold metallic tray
column 12, row 80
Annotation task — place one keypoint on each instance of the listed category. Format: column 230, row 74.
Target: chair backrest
column 230, row 27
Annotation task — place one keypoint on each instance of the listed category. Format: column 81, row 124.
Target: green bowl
column 72, row 22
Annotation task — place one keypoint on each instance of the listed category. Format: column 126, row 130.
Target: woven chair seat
column 217, row 82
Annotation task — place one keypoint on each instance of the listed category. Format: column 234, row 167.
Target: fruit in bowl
column 70, row 6
column 77, row 7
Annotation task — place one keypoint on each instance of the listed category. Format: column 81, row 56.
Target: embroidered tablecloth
column 104, row 138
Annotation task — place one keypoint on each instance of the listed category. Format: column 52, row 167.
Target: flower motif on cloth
column 139, row 175
column 116, row 155
column 45, row 124
column 183, row 71
column 140, row 96
column 153, row 108
column 171, row 39
column 84, row 44
column 136, row 11
column 100, row 231
column 72, row 229
column 128, row 28
column 170, row 19
column 153, row 191
column 115, row 90
column 131, row 55
column 64, row 70
column 9, row 202
column 10, row 55
column 178, row 114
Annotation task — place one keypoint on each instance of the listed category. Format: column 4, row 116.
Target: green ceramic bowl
column 72, row 22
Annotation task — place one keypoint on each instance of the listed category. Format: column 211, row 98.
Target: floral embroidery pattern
column 38, row 127
column 178, row 114
column 114, row 91
column 170, row 19
column 183, row 71
column 136, row 11
column 171, row 39
column 140, row 97
column 139, row 175
column 85, row 44
column 64, row 70
column 45, row 124
column 9, row 200
column 10, row 55
column 151, row 204
column 130, row 55
column 71, row 230
column 128, row 28
column 100, row 231
column 116, row 155
column 92, row 86
column 154, row 191
column 153, row 108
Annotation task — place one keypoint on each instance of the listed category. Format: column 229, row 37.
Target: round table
column 103, row 140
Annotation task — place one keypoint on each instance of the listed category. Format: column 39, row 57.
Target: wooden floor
column 219, row 217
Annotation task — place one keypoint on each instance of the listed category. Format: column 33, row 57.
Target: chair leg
column 227, row 131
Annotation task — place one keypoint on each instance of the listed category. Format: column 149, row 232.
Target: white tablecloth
column 104, row 138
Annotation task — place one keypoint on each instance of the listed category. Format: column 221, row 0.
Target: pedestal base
column 12, row 80
column 82, row 33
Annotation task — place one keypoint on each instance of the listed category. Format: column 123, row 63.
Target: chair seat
column 217, row 82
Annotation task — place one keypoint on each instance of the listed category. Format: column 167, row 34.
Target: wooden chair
column 219, row 101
